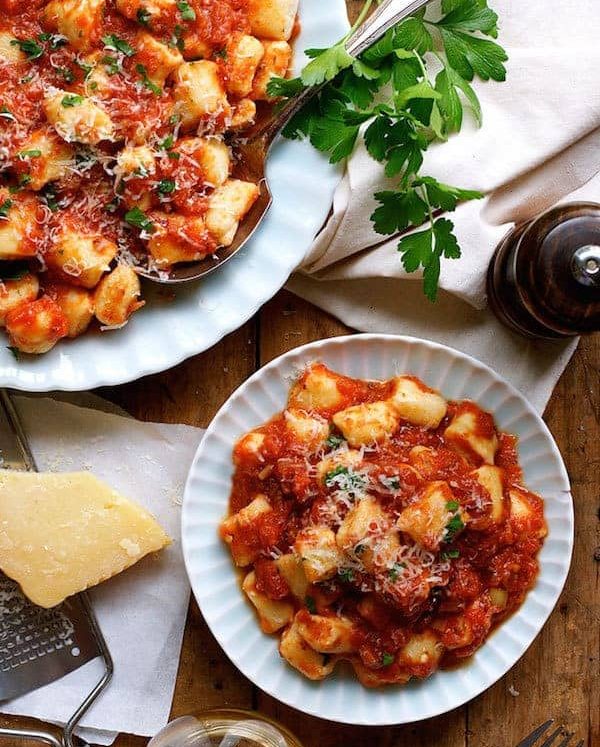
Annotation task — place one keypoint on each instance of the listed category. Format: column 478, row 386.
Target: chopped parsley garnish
column 177, row 39
column 5, row 207
column 452, row 506
column 186, row 10
column 112, row 41
column 310, row 605
column 139, row 219
column 29, row 47
column 66, row 73
column 394, row 572
column 330, row 476
column 45, row 36
column 33, row 153
column 24, row 180
column 146, row 82
column 334, row 441
column 222, row 53
column 15, row 351
column 346, row 574
column 387, row 659
column 26, row 78
column 450, row 554
column 166, row 186
column 87, row 69
column 72, row 99
column 174, row 119
column 453, row 527
column 167, row 144
column 143, row 16
column 49, row 197
column 112, row 64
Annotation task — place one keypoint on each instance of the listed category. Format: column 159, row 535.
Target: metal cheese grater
column 39, row 646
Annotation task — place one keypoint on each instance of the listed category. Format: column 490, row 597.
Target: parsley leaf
column 135, row 217
column 29, row 47
column 453, row 527
column 33, row 153
column 143, row 16
column 166, row 186
column 186, row 10
column 112, row 64
column 329, row 477
column 470, row 16
column 326, row 64
column 288, row 87
column 49, row 196
column 334, row 441
column 346, row 575
column 387, row 659
column 311, row 605
column 398, row 210
column 146, row 82
column 469, row 55
column 15, row 351
column 112, row 41
column 390, row 89
column 71, row 99
column 5, row 207
column 395, row 571
column 450, row 554
column 425, row 248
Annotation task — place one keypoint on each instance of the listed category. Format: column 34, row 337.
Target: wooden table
column 559, row 677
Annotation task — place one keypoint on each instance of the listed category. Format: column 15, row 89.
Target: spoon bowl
column 252, row 151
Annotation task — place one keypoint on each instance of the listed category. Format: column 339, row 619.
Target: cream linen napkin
column 142, row 612
column 539, row 144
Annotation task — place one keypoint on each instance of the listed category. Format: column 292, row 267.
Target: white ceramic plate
column 165, row 333
column 215, row 582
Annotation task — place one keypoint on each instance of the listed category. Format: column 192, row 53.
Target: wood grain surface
column 559, row 677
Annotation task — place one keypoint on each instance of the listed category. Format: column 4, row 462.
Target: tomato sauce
column 459, row 593
column 142, row 114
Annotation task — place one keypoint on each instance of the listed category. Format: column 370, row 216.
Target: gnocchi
column 122, row 122
column 387, row 539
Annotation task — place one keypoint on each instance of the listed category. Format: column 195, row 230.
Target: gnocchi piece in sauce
column 377, row 523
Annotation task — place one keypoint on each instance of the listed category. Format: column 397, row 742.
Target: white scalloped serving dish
column 215, row 582
column 165, row 333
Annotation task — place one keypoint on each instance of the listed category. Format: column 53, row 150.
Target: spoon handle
column 387, row 15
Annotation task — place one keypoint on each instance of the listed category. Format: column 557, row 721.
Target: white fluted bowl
column 165, row 333
column 215, row 582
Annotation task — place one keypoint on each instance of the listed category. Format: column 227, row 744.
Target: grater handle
column 14, row 448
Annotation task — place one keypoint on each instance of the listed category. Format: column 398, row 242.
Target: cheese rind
column 61, row 533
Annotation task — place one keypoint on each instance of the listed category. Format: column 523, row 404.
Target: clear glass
column 225, row 728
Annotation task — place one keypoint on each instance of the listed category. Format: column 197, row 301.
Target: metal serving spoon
column 252, row 154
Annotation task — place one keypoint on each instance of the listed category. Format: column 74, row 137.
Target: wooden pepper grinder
column 544, row 278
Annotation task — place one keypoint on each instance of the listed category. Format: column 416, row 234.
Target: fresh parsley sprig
column 390, row 97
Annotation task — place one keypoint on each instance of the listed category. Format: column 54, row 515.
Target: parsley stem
column 361, row 17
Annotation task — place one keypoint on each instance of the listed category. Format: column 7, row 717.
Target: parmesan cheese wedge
column 62, row 533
